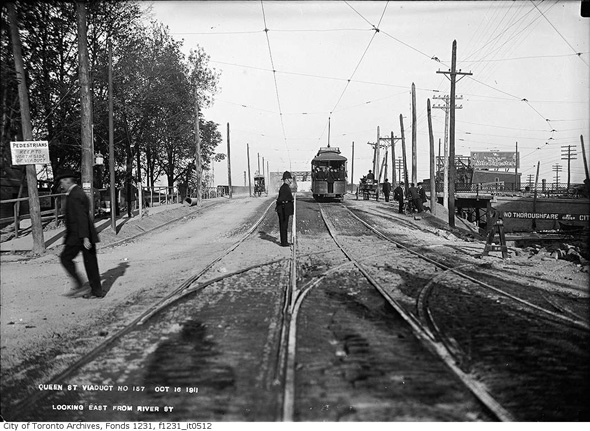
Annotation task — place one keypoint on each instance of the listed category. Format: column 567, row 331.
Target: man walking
column 81, row 235
column 285, row 207
column 386, row 189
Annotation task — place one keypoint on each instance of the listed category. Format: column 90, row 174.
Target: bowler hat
column 65, row 174
column 287, row 175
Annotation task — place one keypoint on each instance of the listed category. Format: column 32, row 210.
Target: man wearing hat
column 81, row 235
column 386, row 189
column 398, row 195
column 285, row 207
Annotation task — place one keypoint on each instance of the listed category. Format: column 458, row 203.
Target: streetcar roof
column 328, row 153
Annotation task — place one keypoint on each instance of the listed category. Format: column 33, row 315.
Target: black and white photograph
column 253, row 213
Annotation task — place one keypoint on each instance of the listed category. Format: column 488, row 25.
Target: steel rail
column 564, row 319
column 287, row 400
column 426, row 337
column 172, row 297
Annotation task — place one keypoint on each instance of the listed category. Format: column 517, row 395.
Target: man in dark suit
column 398, row 195
column 285, row 207
column 81, row 235
column 386, row 189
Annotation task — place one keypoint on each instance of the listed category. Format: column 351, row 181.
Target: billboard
column 495, row 159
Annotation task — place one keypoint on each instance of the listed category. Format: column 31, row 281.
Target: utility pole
column 352, row 170
column 399, row 164
column 249, row 181
column 453, row 78
column 557, row 169
column 228, row 164
column 376, row 161
column 258, row 155
column 516, row 185
column 25, row 113
column 268, row 172
column 378, row 164
column 393, row 182
column 406, row 185
column 530, row 180
column 535, row 194
column 585, row 161
column 414, row 143
column 445, row 161
column 112, row 146
column 569, row 155
column 85, row 107
column 432, row 173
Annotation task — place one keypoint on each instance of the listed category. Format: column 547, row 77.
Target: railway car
column 328, row 174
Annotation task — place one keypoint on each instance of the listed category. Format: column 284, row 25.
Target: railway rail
column 565, row 315
column 493, row 409
column 485, row 323
column 332, row 331
column 192, row 285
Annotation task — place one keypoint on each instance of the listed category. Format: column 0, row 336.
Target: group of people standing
column 416, row 195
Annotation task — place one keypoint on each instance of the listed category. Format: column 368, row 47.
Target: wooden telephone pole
column 414, row 143
column 406, row 185
column 85, row 108
column 249, row 176
column 445, row 165
column 228, row 164
column 568, row 154
column 23, row 97
column 432, row 173
column 452, row 174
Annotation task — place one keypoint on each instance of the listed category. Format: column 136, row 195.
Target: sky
column 337, row 71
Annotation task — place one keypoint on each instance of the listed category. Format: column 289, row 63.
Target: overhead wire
column 266, row 30
column 564, row 39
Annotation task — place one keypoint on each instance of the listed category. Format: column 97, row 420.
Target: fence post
column 140, row 198
column 16, row 219
column 55, row 206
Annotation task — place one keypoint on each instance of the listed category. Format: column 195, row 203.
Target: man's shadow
column 263, row 235
column 111, row 276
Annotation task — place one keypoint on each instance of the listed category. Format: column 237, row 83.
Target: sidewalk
column 54, row 237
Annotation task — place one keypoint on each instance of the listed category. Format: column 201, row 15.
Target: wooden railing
column 45, row 215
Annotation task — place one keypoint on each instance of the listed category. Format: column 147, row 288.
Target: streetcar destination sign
column 29, row 152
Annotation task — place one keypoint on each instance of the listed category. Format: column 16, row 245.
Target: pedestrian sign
column 30, row 152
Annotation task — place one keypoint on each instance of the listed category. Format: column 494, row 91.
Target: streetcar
column 259, row 186
column 328, row 174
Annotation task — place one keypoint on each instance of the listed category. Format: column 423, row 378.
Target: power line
column 376, row 30
column 521, row 58
column 274, row 74
column 579, row 54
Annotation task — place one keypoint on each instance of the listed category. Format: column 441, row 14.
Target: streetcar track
column 424, row 335
column 580, row 324
column 161, row 304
